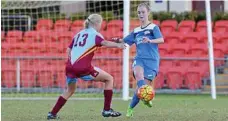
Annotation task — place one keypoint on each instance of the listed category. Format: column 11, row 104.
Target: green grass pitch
column 165, row 108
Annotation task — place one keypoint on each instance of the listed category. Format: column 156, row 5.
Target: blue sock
column 135, row 99
column 141, row 83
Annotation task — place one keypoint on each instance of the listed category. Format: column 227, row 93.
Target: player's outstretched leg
column 108, row 80
column 135, row 100
column 138, row 73
column 62, row 99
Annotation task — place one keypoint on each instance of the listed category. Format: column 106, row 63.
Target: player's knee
column 110, row 78
column 70, row 91
column 139, row 76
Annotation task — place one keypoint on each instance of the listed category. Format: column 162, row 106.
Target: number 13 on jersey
column 81, row 40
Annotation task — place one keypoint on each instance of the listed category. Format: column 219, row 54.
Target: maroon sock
column 107, row 99
column 59, row 104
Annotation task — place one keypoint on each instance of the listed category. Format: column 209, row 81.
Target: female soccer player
column 146, row 62
column 81, row 52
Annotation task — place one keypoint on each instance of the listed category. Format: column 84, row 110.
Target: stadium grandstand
column 35, row 36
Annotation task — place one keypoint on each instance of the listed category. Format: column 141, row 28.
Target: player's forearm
column 120, row 41
column 157, row 41
column 110, row 44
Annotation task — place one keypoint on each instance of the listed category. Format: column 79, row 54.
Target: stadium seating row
column 53, row 36
column 192, row 44
column 167, row 26
column 172, row 73
column 165, row 50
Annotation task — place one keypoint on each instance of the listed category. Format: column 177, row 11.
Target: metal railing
column 19, row 58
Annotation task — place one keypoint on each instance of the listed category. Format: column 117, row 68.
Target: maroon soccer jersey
column 82, row 51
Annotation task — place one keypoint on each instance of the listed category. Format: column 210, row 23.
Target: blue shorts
column 89, row 77
column 150, row 67
column 74, row 80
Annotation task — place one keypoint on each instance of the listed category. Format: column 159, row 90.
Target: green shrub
column 108, row 15
column 54, row 16
column 79, row 16
column 201, row 16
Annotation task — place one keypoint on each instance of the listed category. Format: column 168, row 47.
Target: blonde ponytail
column 86, row 24
column 92, row 19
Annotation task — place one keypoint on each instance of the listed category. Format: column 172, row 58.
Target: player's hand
column 146, row 40
column 121, row 45
column 115, row 39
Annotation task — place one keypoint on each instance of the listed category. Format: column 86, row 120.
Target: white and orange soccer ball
column 146, row 93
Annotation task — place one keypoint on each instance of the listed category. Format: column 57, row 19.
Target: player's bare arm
column 113, row 44
column 117, row 40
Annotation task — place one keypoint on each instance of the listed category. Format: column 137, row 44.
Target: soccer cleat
column 148, row 103
column 51, row 116
column 110, row 113
column 129, row 112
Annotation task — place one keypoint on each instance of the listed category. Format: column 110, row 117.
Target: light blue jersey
column 147, row 54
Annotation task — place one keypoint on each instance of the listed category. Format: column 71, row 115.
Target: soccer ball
column 146, row 93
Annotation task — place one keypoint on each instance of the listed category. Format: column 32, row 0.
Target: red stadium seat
column 166, row 63
column 55, row 48
column 27, row 77
column 44, row 24
column 164, row 49
column 202, row 26
column 77, row 26
column 175, row 77
column 186, row 26
column 173, row 38
column 185, row 64
column 191, row 38
column 36, row 48
column 103, row 25
column 14, row 36
column 160, row 79
column 31, row 36
column 65, row 38
column 19, row 48
column 134, row 24
column 61, row 78
column 3, row 35
column 47, row 36
column 62, row 25
column 203, row 39
column 223, row 39
column 157, row 22
column 114, row 26
column 193, row 78
column 9, row 77
column 5, row 48
column 221, row 26
column 179, row 50
column 204, row 67
column 45, row 77
column 219, row 50
column 168, row 26
column 198, row 50
column 108, row 35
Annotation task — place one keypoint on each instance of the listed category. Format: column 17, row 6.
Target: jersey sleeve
column 71, row 44
column 98, row 39
column 129, row 39
column 157, row 32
